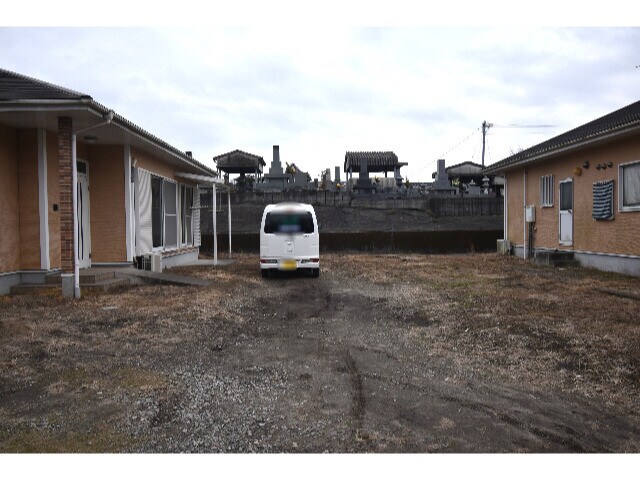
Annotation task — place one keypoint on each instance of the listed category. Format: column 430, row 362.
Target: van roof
column 289, row 206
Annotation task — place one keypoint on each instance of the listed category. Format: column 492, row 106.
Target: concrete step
column 106, row 284
column 154, row 278
column 33, row 288
column 86, row 278
column 565, row 263
column 555, row 259
column 93, row 277
column 101, row 285
column 53, row 279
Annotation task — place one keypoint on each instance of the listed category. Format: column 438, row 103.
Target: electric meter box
column 530, row 213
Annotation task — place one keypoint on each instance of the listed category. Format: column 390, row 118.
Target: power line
column 485, row 130
column 515, row 125
column 427, row 164
column 459, row 143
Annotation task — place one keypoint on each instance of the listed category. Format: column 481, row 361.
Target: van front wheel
column 316, row 272
column 264, row 272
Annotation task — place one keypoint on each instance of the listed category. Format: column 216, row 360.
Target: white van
column 289, row 238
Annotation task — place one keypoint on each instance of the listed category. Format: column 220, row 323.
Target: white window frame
column 163, row 247
column 570, row 210
column 621, row 206
column 546, row 191
column 185, row 188
column 175, row 216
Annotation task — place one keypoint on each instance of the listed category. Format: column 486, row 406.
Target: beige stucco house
column 74, row 175
column 580, row 192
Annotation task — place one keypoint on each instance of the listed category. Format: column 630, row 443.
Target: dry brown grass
column 550, row 328
column 491, row 317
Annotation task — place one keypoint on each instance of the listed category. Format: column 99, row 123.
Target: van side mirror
column 319, row 226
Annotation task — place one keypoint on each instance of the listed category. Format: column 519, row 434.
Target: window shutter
column 195, row 218
column 145, row 238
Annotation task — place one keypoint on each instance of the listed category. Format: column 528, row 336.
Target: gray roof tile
column 238, row 158
column 376, row 161
column 611, row 123
column 15, row 87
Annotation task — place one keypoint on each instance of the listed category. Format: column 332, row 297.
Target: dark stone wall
column 425, row 242
column 441, row 225
column 246, row 219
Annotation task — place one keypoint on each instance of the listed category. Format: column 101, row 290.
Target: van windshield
column 288, row 223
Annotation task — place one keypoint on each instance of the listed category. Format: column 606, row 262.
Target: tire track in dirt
column 306, row 302
column 569, row 442
column 326, row 337
column 359, row 402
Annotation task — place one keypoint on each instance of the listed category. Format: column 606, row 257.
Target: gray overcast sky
column 320, row 91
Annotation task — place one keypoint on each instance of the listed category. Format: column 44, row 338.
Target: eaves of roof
column 100, row 110
column 17, row 87
column 617, row 124
column 464, row 163
column 21, row 93
column 136, row 130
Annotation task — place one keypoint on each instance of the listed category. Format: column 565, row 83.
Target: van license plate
column 288, row 265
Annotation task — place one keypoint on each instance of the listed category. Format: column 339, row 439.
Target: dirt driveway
column 383, row 353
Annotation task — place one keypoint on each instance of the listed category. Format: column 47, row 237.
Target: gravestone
column 363, row 185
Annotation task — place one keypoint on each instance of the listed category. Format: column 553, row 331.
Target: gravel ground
column 382, row 353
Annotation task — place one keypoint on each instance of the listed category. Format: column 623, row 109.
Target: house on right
column 579, row 193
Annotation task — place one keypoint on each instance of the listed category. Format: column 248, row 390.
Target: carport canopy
column 212, row 181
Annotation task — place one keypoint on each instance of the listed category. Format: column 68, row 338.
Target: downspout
column 215, row 224
column 229, row 214
column 524, row 208
column 128, row 204
column 74, row 189
column 506, row 210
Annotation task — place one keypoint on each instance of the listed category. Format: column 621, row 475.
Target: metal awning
column 213, row 181
column 200, row 178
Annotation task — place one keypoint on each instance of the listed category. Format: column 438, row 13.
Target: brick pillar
column 66, row 194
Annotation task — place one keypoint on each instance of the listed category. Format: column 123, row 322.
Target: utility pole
column 485, row 127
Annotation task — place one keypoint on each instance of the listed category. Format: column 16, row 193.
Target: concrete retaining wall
column 246, row 219
column 425, row 242
column 440, row 206
column 439, row 225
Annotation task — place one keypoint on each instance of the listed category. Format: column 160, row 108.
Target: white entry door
column 84, row 227
column 566, row 212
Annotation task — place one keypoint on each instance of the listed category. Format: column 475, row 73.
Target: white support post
column 229, row 214
column 74, row 202
column 524, row 213
column 215, row 226
column 74, row 208
column 506, row 209
column 43, row 192
column 128, row 206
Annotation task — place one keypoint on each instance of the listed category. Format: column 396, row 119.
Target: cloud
column 318, row 91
